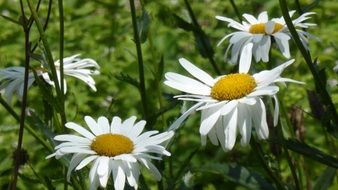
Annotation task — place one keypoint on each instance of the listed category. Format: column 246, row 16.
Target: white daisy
column 118, row 148
column 78, row 68
column 259, row 31
column 228, row 103
column 12, row 81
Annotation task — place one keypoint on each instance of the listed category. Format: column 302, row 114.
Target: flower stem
column 320, row 85
column 61, row 22
column 139, row 59
column 258, row 149
column 17, row 154
column 204, row 43
column 238, row 14
column 49, row 56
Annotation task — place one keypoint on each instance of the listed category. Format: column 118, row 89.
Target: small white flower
column 12, row 81
column 259, row 32
column 228, row 103
column 117, row 148
column 78, row 68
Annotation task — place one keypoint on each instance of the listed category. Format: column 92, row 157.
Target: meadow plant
column 130, row 55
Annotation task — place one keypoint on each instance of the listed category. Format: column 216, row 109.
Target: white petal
column 265, row 48
column 85, row 162
column 232, row 23
column 76, row 159
column 244, row 124
column 266, row 77
column 137, row 129
column 251, row 19
column 230, row 130
column 228, row 107
column 219, row 126
column 103, row 123
column 283, row 44
column 80, row 130
column 212, row 136
column 245, row 59
column 196, row 72
column 119, row 176
column 259, row 118
column 72, row 138
column 269, row 90
column 269, row 27
column 186, row 84
column 93, row 126
column 208, row 120
column 178, row 122
column 263, row 17
column 115, row 124
column 211, row 105
column 237, row 36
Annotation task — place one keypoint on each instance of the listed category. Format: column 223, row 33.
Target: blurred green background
column 102, row 30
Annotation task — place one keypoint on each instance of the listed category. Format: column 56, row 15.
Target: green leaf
column 311, row 152
column 239, row 175
column 128, row 79
column 170, row 18
column 143, row 26
column 203, row 44
column 325, row 180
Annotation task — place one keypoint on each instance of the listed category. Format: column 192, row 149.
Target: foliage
column 301, row 152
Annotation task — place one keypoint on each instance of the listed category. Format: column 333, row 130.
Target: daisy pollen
column 112, row 145
column 260, row 28
column 233, row 86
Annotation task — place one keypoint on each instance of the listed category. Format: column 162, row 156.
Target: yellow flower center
column 260, row 28
column 112, row 145
column 233, row 86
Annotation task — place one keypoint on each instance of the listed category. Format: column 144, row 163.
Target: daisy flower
column 117, row 148
column 78, row 68
column 259, row 32
column 12, row 81
column 228, row 103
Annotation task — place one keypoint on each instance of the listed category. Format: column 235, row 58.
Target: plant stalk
column 139, row 59
column 320, row 85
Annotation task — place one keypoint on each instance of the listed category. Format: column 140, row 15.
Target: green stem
column 292, row 168
column 258, row 149
column 48, row 54
column 24, row 99
column 299, row 8
column 139, row 59
column 200, row 31
column 46, row 22
column 238, row 14
column 63, row 116
column 320, row 85
column 61, row 42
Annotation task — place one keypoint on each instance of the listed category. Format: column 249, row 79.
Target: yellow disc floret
column 260, row 28
column 233, row 86
column 112, row 145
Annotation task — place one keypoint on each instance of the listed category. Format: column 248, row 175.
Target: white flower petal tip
column 97, row 147
column 224, row 108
